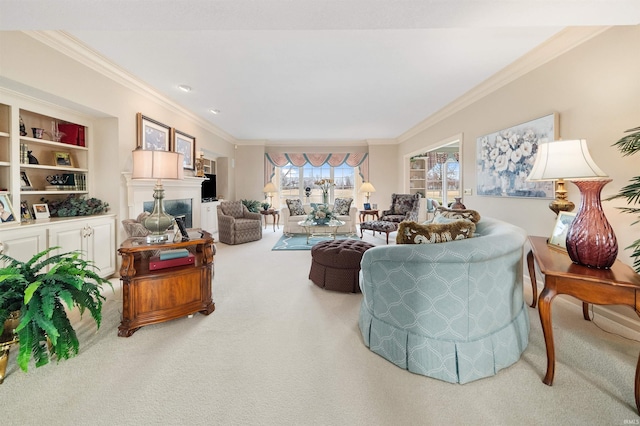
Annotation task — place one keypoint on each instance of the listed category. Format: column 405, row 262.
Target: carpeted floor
column 279, row 350
column 299, row 241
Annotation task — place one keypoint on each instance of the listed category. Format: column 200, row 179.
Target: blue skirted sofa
column 453, row 311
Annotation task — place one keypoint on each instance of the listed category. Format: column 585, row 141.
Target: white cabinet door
column 209, row 217
column 23, row 242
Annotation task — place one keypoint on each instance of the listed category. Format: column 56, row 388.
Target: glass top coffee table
column 315, row 229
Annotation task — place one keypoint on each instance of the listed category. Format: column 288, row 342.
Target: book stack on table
column 171, row 258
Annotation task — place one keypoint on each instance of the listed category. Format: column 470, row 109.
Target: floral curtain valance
column 274, row 159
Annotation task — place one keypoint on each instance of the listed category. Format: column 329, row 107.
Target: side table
column 153, row 296
column 365, row 213
column 619, row 285
column 276, row 217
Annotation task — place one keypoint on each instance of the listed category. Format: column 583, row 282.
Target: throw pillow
column 468, row 214
column 295, row 207
column 342, row 205
column 414, row 233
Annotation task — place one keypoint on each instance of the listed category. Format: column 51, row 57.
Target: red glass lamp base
column 591, row 240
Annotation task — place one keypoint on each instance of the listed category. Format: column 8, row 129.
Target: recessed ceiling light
column 184, row 88
column 214, row 111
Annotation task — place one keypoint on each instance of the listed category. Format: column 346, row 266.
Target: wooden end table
column 276, row 217
column 619, row 285
column 153, row 296
column 365, row 213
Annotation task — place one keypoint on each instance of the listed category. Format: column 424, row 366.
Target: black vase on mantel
column 457, row 205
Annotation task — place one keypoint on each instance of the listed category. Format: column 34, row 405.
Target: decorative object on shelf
column 629, row 145
column 57, row 179
column 76, row 205
column 157, row 165
column 321, row 214
column 200, row 164
column 31, row 158
column 6, row 211
column 590, row 238
column 269, row 189
column 506, row 157
column 457, row 205
column 56, row 135
column 43, row 299
column 41, row 211
column 252, row 205
column 25, row 211
column 23, row 129
column 368, row 188
column 185, row 145
column 325, row 185
column 25, row 183
column 37, row 132
column 152, row 135
column 62, row 159
column 558, row 237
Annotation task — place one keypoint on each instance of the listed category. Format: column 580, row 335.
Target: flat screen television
column 209, row 188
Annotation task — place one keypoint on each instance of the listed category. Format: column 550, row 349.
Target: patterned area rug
column 299, row 241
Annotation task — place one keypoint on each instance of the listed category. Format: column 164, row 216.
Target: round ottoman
column 335, row 264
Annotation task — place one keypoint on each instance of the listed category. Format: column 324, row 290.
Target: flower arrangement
column 325, row 185
column 321, row 214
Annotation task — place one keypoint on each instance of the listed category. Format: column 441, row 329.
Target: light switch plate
column 468, row 191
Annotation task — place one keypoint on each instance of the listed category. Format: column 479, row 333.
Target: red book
column 156, row 263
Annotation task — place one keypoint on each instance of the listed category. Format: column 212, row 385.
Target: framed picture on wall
column 152, row 135
column 186, row 145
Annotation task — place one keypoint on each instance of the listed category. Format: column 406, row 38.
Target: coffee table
column 315, row 229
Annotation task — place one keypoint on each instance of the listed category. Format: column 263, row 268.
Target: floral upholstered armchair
column 403, row 207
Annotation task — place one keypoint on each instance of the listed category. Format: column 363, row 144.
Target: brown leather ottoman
column 335, row 264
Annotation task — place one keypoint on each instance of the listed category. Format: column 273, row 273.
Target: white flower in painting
column 516, row 155
column 501, row 163
column 526, row 148
column 503, row 145
column 494, row 153
column 484, row 142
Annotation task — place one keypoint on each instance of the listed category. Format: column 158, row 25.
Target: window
column 343, row 176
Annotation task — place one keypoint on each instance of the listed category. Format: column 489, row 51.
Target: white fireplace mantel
column 140, row 191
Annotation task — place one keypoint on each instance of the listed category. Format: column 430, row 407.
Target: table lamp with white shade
column 157, row 165
column 590, row 239
column 269, row 189
column 368, row 188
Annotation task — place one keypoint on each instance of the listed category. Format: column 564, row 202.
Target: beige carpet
column 280, row 351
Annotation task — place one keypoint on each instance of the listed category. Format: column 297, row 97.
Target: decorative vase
column 591, row 240
column 325, row 198
column 457, row 205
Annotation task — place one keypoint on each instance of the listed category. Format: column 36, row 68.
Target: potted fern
column 630, row 145
column 44, row 285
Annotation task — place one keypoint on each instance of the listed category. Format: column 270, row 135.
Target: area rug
column 299, row 241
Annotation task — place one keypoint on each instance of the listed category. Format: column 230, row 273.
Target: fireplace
column 175, row 208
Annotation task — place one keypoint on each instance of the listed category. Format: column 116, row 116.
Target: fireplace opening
column 175, row 208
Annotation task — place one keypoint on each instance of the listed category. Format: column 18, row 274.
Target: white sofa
column 290, row 223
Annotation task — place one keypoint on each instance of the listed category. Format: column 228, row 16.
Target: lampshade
column 569, row 160
column 269, row 188
column 367, row 187
column 157, row 165
column 590, row 239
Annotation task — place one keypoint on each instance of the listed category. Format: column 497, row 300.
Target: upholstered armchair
column 236, row 224
column 403, row 207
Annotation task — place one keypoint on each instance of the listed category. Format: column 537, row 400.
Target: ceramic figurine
column 32, row 159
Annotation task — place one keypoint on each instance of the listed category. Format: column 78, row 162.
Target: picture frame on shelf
column 152, row 135
column 25, row 183
column 186, row 145
column 6, row 211
column 62, row 159
column 25, row 211
column 558, row 238
column 505, row 158
column 41, row 211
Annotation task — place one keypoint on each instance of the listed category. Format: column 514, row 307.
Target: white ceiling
column 313, row 70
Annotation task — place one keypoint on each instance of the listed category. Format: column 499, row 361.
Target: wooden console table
column 619, row 285
column 150, row 297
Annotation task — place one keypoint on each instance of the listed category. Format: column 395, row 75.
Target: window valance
column 275, row 159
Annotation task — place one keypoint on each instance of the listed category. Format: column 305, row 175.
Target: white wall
column 595, row 88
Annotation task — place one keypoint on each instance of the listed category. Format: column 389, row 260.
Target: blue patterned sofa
column 453, row 311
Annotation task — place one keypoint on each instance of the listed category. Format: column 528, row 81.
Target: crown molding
column 70, row 46
column 555, row 46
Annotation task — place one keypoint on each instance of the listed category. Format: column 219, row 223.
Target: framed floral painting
column 505, row 158
column 152, row 135
column 186, row 145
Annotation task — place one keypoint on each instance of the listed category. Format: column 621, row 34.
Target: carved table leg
column 532, row 275
column 637, row 386
column 585, row 311
column 4, row 359
column 544, row 309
